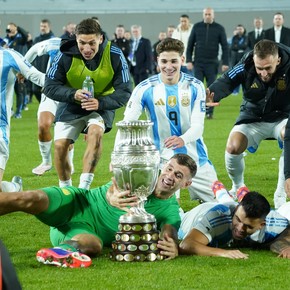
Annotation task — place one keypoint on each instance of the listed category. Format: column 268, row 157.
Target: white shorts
column 72, row 129
column 256, row 132
column 201, row 186
column 47, row 105
column 284, row 210
column 4, row 150
column 202, row 182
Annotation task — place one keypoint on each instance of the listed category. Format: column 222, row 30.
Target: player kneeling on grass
column 211, row 228
column 83, row 221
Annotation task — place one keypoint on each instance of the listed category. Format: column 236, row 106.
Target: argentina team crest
column 281, row 84
column 172, row 101
column 185, row 99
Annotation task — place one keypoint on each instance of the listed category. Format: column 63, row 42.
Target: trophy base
column 136, row 240
column 134, row 218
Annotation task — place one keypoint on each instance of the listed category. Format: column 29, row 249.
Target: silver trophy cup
column 135, row 161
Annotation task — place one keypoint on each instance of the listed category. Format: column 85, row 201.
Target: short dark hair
column 88, row 26
column 279, row 13
column 255, row 205
column 265, row 47
column 184, row 16
column 185, row 160
column 170, row 44
column 45, row 21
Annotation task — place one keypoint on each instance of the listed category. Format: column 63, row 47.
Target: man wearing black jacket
column 122, row 42
column 278, row 32
column 257, row 34
column 88, row 54
column 41, row 61
column 264, row 74
column 204, row 40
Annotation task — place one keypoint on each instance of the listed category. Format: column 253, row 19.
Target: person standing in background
column 238, row 47
column 257, row 34
column 204, row 40
column 182, row 33
column 278, row 32
column 122, row 42
column 41, row 61
column 141, row 55
column 170, row 30
column 239, row 44
column 69, row 30
column 127, row 35
column 162, row 35
column 16, row 39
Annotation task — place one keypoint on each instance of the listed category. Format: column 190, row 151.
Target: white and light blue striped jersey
column 175, row 110
column 215, row 222
column 46, row 47
column 213, row 219
column 12, row 62
column 275, row 225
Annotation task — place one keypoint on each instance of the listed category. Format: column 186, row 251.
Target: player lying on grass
column 212, row 229
column 83, row 221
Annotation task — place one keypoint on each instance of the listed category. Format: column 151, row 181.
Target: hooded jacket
column 262, row 102
column 115, row 81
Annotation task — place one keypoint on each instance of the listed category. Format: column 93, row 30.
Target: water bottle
column 88, row 85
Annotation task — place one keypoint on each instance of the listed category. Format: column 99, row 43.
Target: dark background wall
column 152, row 23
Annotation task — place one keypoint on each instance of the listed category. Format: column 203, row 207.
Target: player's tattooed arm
column 281, row 245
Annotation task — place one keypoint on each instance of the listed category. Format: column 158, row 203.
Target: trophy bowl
column 135, row 161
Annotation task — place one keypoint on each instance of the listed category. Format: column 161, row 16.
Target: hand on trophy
column 122, row 200
column 168, row 247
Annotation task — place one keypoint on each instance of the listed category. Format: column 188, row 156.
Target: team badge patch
column 202, row 106
column 65, row 191
column 28, row 63
column 281, row 84
column 184, row 99
column 172, row 101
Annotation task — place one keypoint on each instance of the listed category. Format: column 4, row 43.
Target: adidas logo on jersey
column 159, row 103
column 254, row 86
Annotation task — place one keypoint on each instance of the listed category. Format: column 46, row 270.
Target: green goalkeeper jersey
column 74, row 211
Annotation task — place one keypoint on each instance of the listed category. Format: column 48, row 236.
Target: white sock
column 235, row 165
column 65, row 183
column 8, row 186
column 222, row 196
column 45, row 151
column 71, row 159
column 280, row 194
column 86, row 180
